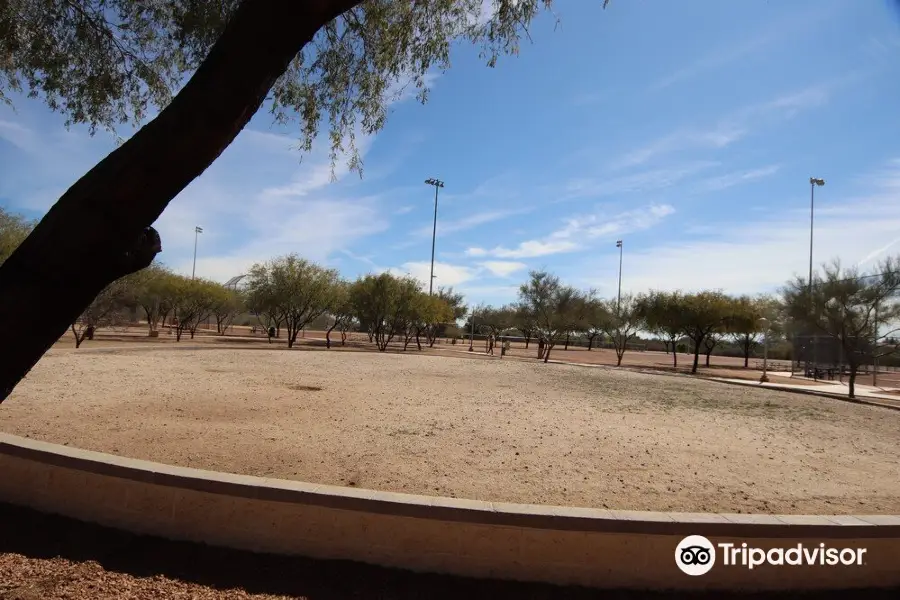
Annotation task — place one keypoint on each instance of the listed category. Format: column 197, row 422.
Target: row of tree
column 291, row 292
column 858, row 312
column 159, row 295
column 550, row 312
column 287, row 293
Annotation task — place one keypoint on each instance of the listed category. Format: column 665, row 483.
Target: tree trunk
column 590, row 342
column 666, row 346
column 78, row 339
column 619, row 356
column 674, row 355
column 178, row 332
column 547, row 352
column 696, row 357
column 527, row 339
column 418, row 343
column 192, row 330
column 567, row 342
column 707, row 357
column 118, row 200
column 328, row 336
column 852, row 383
column 343, row 338
column 746, row 351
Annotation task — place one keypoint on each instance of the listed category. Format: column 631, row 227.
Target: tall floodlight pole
column 197, row 231
column 813, row 182
column 437, row 183
column 619, row 297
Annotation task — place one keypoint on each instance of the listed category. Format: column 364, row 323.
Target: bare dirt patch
column 499, row 430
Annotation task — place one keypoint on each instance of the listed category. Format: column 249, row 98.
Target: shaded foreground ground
column 45, row 557
column 498, row 430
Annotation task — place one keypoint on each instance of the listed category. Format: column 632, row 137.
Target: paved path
column 865, row 394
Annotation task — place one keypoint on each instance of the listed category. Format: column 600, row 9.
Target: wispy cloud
column 733, row 127
column 641, row 182
column 760, row 41
column 502, row 268
column 722, row 182
column 579, row 229
column 468, row 222
column 762, row 254
column 527, row 249
column 445, row 274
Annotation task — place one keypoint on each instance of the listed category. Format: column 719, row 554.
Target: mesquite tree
column 861, row 312
column 553, row 306
column 108, row 62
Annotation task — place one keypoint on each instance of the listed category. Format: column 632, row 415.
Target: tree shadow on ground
column 36, row 535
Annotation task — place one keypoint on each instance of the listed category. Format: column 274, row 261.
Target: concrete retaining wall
column 611, row 549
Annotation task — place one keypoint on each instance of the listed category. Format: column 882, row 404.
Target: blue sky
column 688, row 129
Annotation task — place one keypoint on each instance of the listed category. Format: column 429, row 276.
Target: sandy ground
column 720, row 366
column 499, row 430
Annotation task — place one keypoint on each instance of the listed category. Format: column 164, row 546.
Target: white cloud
column 502, row 268
column 528, row 249
column 405, row 209
column 641, row 182
column 762, row 255
column 735, row 126
column 581, row 228
column 722, row 182
column 445, row 274
column 19, row 136
column 467, row 222
column 599, row 225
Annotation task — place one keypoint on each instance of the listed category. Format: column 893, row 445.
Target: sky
column 687, row 129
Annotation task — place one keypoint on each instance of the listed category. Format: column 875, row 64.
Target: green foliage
column 193, row 301
column 153, row 289
column 436, row 314
column 860, row 312
column 385, row 303
column 108, row 62
column 702, row 314
column 13, row 229
column 596, row 317
column 104, row 62
column 456, row 302
column 621, row 321
column 554, row 306
column 228, row 305
column 106, row 310
column 291, row 290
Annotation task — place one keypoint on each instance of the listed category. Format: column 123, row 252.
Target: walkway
column 830, row 389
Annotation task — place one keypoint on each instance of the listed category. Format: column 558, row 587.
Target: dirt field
column 496, row 430
column 720, row 366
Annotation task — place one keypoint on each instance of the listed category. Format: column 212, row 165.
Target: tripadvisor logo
column 696, row 555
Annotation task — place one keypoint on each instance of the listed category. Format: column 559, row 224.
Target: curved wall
column 601, row 548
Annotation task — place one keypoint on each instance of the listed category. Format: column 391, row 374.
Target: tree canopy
column 107, row 63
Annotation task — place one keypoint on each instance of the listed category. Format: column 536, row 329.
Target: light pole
column 764, row 325
column 813, row 182
column 197, row 231
column 619, row 297
column 437, row 183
